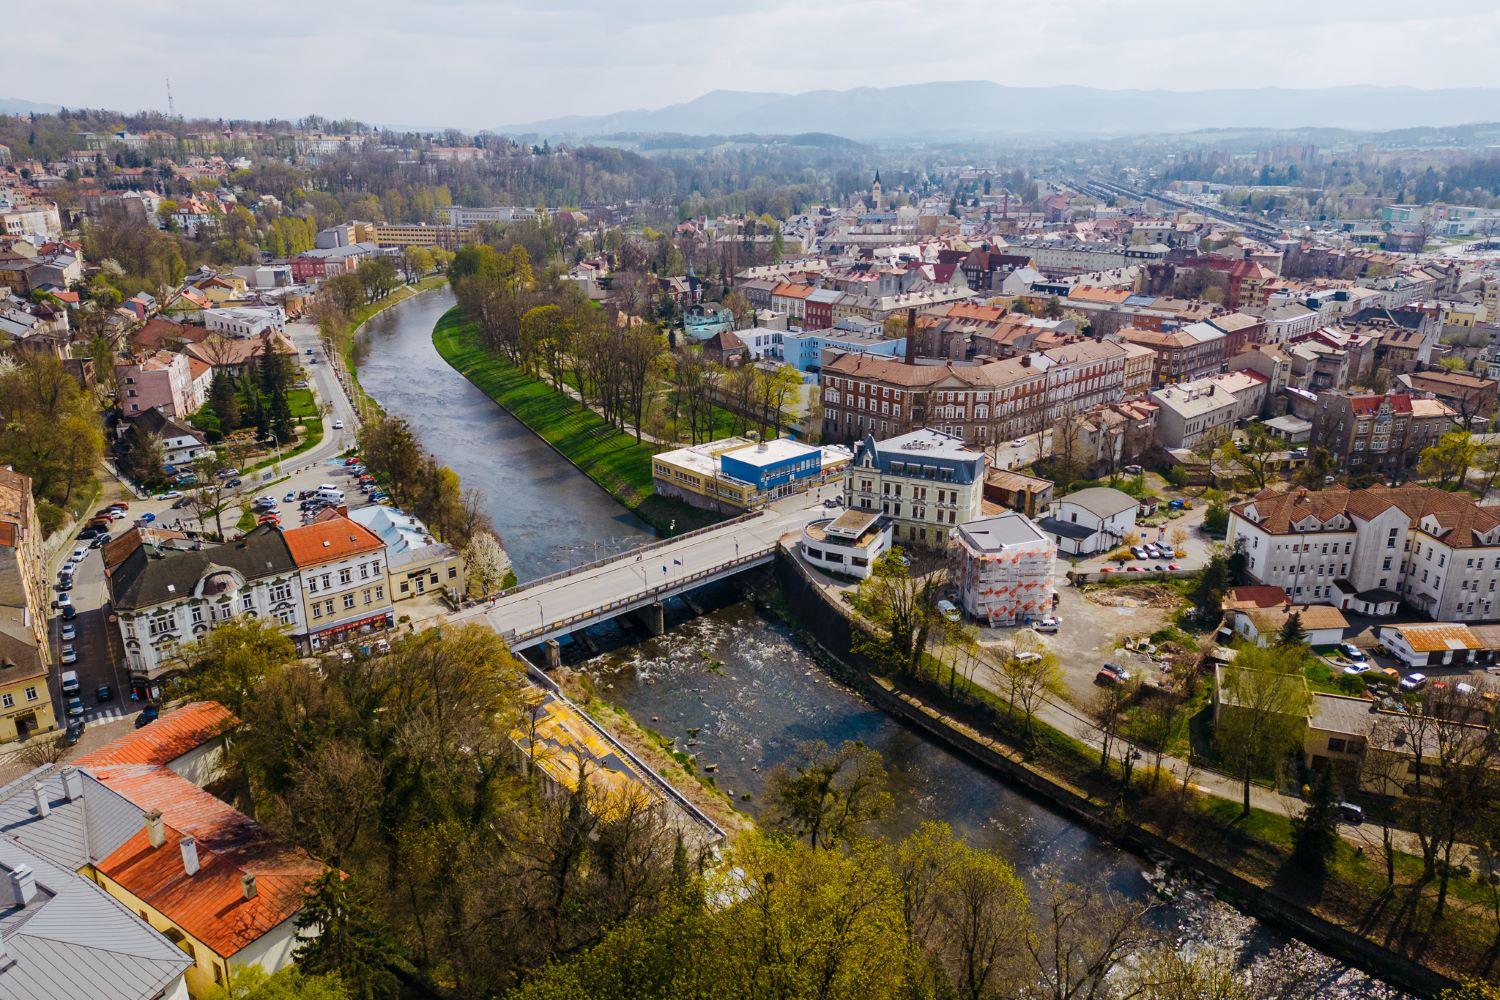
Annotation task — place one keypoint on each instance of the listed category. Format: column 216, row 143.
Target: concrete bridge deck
column 554, row 606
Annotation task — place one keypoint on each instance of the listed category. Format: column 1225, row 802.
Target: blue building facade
column 773, row 464
column 803, row 350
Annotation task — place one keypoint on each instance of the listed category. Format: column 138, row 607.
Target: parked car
column 1111, row 674
column 1348, row 812
column 64, row 582
column 290, row 496
column 1138, row 552
column 104, row 693
column 75, row 707
column 74, row 733
column 146, row 518
column 1352, row 652
column 64, row 601
column 69, row 612
column 148, row 715
column 1355, row 669
column 171, row 495
column 1414, row 682
column 180, row 503
column 80, row 552
column 69, row 680
column 99, row 540
column 69, row 633
column 948, row 610
column 338, row 425
column 234, row 483
column 1018, row 443
column 1049, row 624
column 69, row 654
column 1133, row 470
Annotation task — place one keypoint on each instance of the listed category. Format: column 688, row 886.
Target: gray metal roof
column 74, row 940
column 73, row 834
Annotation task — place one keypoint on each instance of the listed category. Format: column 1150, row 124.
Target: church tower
column 875, row 192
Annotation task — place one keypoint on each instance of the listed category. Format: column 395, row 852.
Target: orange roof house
column 330, row 540
column 199, row 870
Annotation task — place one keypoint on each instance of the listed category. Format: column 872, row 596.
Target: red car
column 351, row 461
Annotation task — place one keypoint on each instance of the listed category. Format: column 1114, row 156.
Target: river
column 751, row 691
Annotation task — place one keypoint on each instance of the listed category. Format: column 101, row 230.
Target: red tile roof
column 169, row 737
column 210, row 905
column 327, row 541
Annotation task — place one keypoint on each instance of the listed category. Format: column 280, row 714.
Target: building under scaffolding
column 1005, row 571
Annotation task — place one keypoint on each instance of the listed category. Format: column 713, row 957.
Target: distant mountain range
column 978, row 109
column 16, row 106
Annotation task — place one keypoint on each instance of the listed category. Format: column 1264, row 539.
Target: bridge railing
column 645, row 770
column 618, row 557
column 656, row 590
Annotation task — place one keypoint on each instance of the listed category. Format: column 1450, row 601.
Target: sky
column 483, row 63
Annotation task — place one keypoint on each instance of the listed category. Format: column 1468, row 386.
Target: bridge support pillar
column 656, row 618
column 554, row 654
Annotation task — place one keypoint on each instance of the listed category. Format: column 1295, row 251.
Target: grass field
column 614, row 460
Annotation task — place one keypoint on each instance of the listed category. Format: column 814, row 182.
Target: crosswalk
column 105, row 714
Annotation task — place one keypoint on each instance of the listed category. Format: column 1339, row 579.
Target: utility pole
column 171, row 105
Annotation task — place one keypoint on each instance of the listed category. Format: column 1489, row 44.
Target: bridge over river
column 552, row 606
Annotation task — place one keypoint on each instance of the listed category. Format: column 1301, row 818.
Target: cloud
column 476, row 63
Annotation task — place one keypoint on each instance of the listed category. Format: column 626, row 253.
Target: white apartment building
column 166, row 597
column 1081, row 376
column 244, row 321
column 927, row 482
column 1367, row 550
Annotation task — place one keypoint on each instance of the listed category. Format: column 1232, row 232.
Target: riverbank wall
column 831, row 630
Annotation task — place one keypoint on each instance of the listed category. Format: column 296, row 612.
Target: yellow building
column 25, row 704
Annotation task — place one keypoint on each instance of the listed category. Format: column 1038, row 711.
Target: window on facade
column 31, row 693
column 379, row 593
column 8, row 700
column 346, row 576
column 348, row 601
column 197, row 614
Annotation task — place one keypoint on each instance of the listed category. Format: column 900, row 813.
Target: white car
column 79, row 553
column 69, row 633
column 69, row 654
column 1355, row 669
column 170, row 495
column 338, row 425
column 1018, row 443
column 1413, row 682
column 1049, row 624
column 948, row 610
column 64, row 599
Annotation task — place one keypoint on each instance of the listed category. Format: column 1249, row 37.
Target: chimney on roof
column 22, row 886
column 72, row 780
column 911, row 336
column 156, row 832
column 189, row 847
column 247, row 885
column 43, row 807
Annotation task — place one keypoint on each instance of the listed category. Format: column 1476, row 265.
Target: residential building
column 1103, row 439
column 1090, row 521
column 1385, row 433
column 329, row 262
column 1369, row 549
column 1193, row 412
column 160, row 381
column 848, row 545
column 1419, row 646
column 345, row 586
column 199, row 871
column 1468, row 396
column 164, row 596
column 1139, row 364
column 1029, row 495
column 805, row 350
column 926, row 481
column 416, row 562
column 181, row 444
column 1080, row 376
column 1182, row 354
column 64, row 935
column 25, row 701
column 1005, row 569
column 1323, row 624
column 738, row 474
column 244, row 321
column 982, row 402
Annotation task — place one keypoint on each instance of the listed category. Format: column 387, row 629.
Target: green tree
column 291, row 983
column 231, row 662
column 1292, row 635
column 1449, row 459
column 1211, row 586
column 1261, row 713
column 348, row 943
column 1315, row 834
column 828, row 796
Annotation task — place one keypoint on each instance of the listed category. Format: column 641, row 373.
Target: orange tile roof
column 169, row 737
column 326, row 541
column 210, row 905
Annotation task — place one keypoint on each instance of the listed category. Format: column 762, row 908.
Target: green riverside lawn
column 613, row 459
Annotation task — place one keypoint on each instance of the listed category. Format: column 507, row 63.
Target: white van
column 69, row 682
